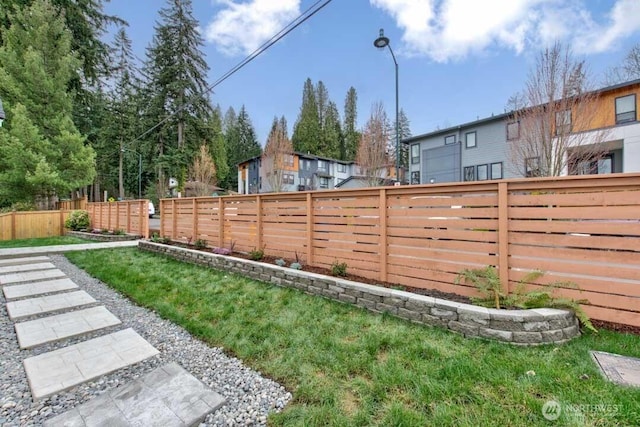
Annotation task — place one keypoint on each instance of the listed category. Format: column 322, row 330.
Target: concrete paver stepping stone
column 619, row 369
column 40, row 305
column 54, row 328
column 167, row 396
column 58, row 370
column 26, row 267
column 30, row 276
column 23, row 260
column 38, row 288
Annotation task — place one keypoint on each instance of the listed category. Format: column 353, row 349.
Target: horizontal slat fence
column 32, row 224
column 584, row 230
column 75, row 204
column 132, row 216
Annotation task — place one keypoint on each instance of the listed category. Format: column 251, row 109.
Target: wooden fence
column 32, row 224
column 132, row 216
column 74, row 204
column 584, row 230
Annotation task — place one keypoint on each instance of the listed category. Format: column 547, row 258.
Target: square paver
column 30, row 276
column 58, row 370
column 167, row 396
column 54, row 328
column 38, row 288
column 40, row 305
column 26, row 267
column 619, row 369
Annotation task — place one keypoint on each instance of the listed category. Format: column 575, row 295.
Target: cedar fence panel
column 74, row 204
column 132, row 216
column 32, row 224
column 584, row 230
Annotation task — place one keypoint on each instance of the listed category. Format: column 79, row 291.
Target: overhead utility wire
column 303, row 17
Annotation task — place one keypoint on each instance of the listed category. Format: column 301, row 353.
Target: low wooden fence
column 69, row 205
column 132, row 216
column 32, row 224
column 584, row 230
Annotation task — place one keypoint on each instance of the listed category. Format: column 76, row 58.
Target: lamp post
column 381, row 42
column 139, row 170
column 2, row 116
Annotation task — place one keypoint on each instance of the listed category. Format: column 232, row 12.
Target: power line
column 303, row 17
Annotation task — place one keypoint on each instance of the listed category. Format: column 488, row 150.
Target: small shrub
column 78, row 220
column 155, row 238
column 165, row 240
column 399, row 287
column 280, row 262
column 120, row 232
column 200, row 243
column 256, row 254
column 104, row 231
column 339, row 269
column 296, row 266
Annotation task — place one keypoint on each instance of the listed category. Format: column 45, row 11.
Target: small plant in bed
column 78, row 220
column 339, row 269
column 280, row 262
column 200, row 244
column 256, row 254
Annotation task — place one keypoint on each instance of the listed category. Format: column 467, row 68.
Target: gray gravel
column 250, row 396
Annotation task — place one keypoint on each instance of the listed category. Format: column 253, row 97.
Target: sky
column 458, row 60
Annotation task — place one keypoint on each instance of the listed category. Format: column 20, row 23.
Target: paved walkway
column 53, row 309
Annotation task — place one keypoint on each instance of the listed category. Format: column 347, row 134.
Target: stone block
column 329, row 293
column 495, row 334
column 409, row 315
column 448, row 305
column 472, row 311
column 444, row 314
column 353, row 292
column 552, row 313
column 314, row 290
column 571, row 332
column 393, row 301
column 527, row 337
column 428, row 319
column 417, row 306
column 386, row 308
column 505, row 325
column 561, row 323
column 464, row 328
column 335, row 288
column 347, row 298
column 472, row 319
column 366, row 303
column 552, row 336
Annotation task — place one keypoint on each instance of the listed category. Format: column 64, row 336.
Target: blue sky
column 458, row 59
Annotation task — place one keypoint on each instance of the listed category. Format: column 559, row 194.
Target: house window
column 513, row 131
column 496, row 170
column 470, row 140
column 626, row 109
column 469, row 173
column 342, row 168
column 415, row 177
column 563, row 122
column 482, row 172
column 287, row 178
column 449, row 139
column 288, row 160
column 415, row 154
column 532, row 167
column 592, row 167
column 324, row 182
column 323, row 166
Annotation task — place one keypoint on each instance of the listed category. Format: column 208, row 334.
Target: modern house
column 299, row 172
column 480, row 150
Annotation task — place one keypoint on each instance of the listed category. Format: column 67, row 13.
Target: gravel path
column 250, row 397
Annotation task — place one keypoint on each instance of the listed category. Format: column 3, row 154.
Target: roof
column 502, row 116
column 306, row 156
column 381, row 181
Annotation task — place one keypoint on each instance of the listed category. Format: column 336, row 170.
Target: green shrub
column 78, row 220
column 200, row 243
column 339, row 269
column 256, row 254
column 119, row 232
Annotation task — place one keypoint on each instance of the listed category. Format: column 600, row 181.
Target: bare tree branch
column 278, row 155
column 203, row 172
column 372, row 156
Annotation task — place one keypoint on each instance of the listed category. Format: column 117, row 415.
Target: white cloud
column 447, row 30
column 241, row 27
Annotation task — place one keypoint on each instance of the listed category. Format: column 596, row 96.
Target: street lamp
column 2, row 116
column 139, row 170
column 381, row 42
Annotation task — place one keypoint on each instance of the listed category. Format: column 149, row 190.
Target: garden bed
column 103, row 237
column 522, row 327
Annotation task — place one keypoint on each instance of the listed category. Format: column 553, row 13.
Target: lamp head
column 381, row 42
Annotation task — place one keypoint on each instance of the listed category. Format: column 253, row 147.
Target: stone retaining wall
column 102, row 237
column 521, row 327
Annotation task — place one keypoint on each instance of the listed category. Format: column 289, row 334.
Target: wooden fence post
column 62, row 223
column 13, row 225
column 129, row 218
column 194, row 219
column 310, row 221
column 382, row 205
column 174, row 217
column 221, row 222
column 503, row 235
column 162, row 210
column 258, row 222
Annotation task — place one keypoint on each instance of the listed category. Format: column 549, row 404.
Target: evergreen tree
column 349, row 146
column 332, row 132
column 177, row 71
column 306, row 130
column 241, row 143
column 404, row 128
column 41, row 151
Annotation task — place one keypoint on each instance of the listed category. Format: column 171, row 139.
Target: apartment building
column 479, row 150
column 298, row 172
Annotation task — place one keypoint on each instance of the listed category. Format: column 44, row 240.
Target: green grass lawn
column 44, row 241
column 349, row 367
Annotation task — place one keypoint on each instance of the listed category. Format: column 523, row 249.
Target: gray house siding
column 253, row 176
column 491, row 148
column 441, row 164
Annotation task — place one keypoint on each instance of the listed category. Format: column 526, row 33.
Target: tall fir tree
column 332, row 132
column 241, row 143
column 306, row 130
column 404, row 127
column 349, row 146
column 42, row 154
